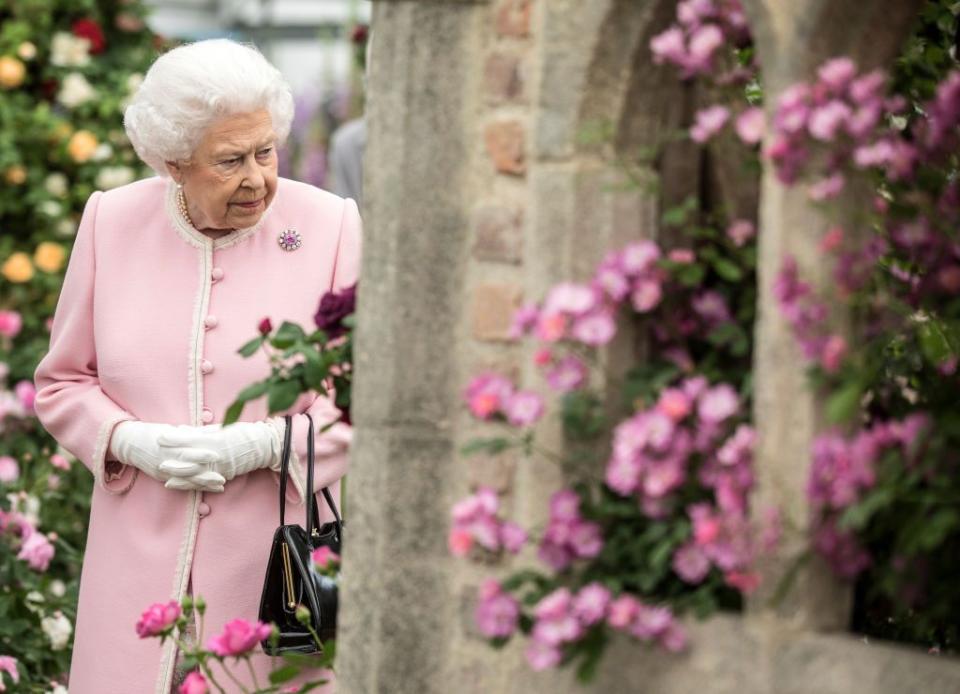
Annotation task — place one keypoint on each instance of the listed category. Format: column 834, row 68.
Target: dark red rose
column 334, row 307
column 265, row 327
column 49, row 88
column 90, row 30
column 360, row 34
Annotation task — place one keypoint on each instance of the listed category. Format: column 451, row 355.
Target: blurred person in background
column 348, row 142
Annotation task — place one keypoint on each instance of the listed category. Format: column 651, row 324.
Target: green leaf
column 282, row 395
column 252, row 392
column 727, row 269
column 288, row 672
column 491, row 446
column 251, row 347
column 844, row 403
column 314, row 373
column 938, row 341
column 288, row 334
column 856, row 517
column 233, row 412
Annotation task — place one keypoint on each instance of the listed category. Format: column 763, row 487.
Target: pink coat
column 148, row 325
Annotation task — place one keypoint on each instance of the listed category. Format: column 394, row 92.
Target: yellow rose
column 49, row 256
column 12, row 72
column 82, row 146
column 15, row 175
column 18, row 268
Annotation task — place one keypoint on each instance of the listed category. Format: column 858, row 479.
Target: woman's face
column 232, row 175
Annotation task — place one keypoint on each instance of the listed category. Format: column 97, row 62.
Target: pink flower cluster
column 652, row 450
column 563, row 617
column 843, row 469
column 703, row 27
column 475, row 521
column 723, row 539
column 497, row 612
column 568, row 536
column 490, row 395
column 807, row 316
column 844, row 108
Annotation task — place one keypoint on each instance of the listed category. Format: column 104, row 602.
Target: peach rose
column 15, row 175
column 49, row 256
column 18, row 268
column 82, row 146
column 12, row 72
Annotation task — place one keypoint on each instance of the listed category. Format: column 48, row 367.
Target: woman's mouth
column 249, row 205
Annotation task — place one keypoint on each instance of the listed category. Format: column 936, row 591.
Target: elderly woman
column 169, row 276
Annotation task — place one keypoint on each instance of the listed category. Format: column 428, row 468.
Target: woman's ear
column 175, row 171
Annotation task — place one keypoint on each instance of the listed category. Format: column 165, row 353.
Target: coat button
column 216, row 274
column 210, row 322
column 206, row 366
column 204, row 509
column 206, row 416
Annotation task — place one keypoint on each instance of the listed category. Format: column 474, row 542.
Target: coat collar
column 195, row 238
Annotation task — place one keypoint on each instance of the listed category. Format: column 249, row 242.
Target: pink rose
column 459, row 542
column 834, row 351
column 709, row 122
column 59, row 461
column 36, row 551
column 194, row 684
column 238, row 637
column 324, row 558
column 158, row 618
column 10, row 323
column 8, row 664
column 9, row 470
column 26, row 393
column 718, row 403
column 750, row 125
column 622, row 611
column 524, row 408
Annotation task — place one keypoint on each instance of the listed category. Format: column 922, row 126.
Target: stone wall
column 480, row 192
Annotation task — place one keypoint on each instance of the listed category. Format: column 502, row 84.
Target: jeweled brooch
column 290, row 240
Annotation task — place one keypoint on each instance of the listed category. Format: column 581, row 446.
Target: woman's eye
column 265, row 152
column 230, row 162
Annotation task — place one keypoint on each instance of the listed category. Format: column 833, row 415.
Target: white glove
column 137, row 443
column 235, row 449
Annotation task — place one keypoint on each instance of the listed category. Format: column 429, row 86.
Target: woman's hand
column 233, row 450
column 138, row 444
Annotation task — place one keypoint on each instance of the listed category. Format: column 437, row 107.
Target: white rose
column 66, row 227
column 102, row 152
column 56, row 184
column 51, row 208
column 114, row 176
column 58, row 588
column 58, row 630
column 59, row 689
column 75, row 90
column 134, row 81
column 67, row 50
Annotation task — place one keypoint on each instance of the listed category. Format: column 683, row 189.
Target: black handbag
column 292, row 579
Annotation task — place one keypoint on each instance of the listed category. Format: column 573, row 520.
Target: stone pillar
column 793, row 38
column 397, row 607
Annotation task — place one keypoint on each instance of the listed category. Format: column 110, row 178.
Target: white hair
column 191, row 86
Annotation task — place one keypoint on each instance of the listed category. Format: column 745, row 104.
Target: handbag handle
column 312, row 517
